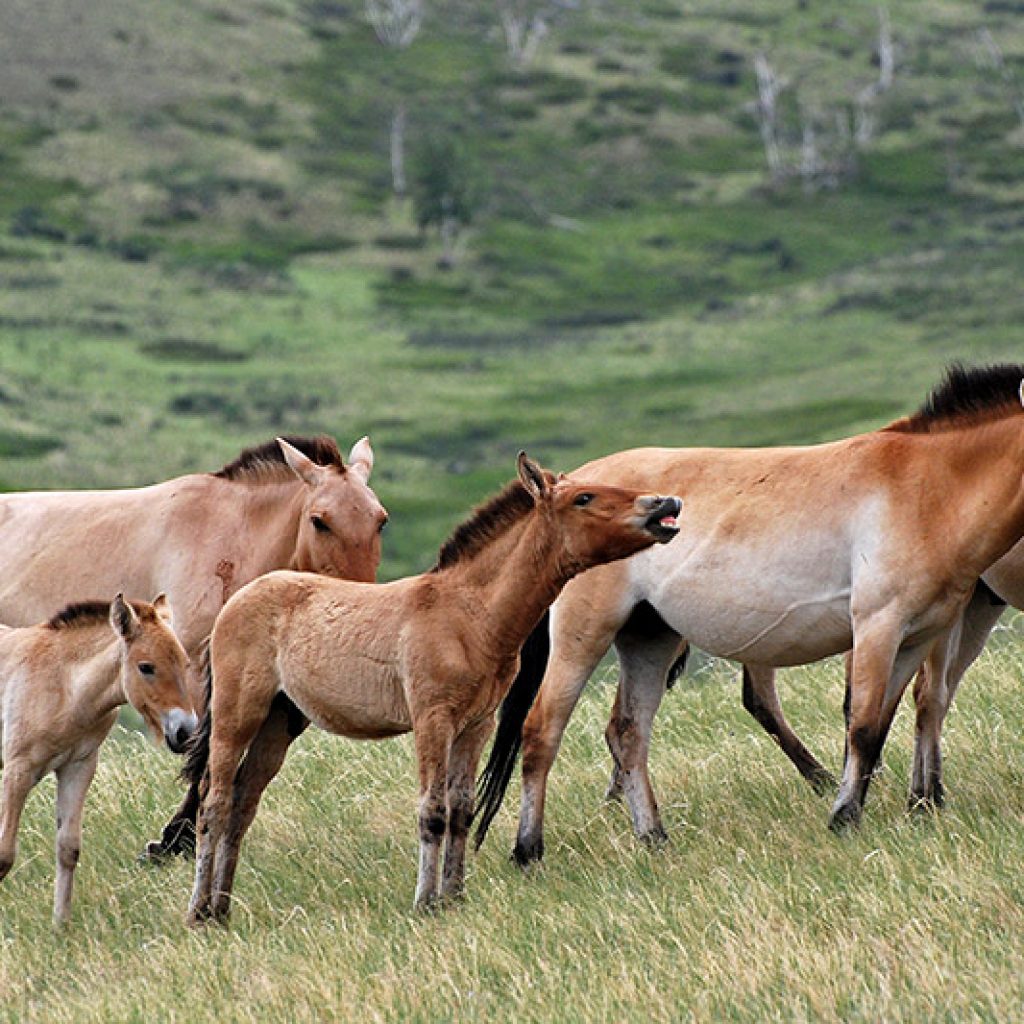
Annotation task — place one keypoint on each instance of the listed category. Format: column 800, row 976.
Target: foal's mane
column 967, row 396
column 487, row 522
column 91, row 613
column 265, row 462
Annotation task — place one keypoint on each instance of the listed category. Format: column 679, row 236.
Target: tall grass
column 754, row 911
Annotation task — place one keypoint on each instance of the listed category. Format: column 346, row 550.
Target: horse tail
column 508, row 737
column 677, row 668
column 197, row 753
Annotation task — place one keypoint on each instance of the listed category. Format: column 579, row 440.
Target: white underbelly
column 753, row 605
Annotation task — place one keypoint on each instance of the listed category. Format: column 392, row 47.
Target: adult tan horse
column 60, row 686
column 290, row 503
column 786, row 556
column 433, row 654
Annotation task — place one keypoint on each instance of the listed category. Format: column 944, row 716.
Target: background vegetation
column 200, row 247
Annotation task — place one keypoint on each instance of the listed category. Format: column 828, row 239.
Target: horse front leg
column 761, row 700
column 936, row 685
column 462, row 766
column 262, row 762
column 19, row 778
column 433, row 735
column 879, row 673
column 73, row 781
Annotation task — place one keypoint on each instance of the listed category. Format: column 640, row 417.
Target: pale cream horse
column 788, row 555
column 433, row 654
column 61, row 684
column 290, row 503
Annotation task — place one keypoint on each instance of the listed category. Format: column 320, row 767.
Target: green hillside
column 200, row 246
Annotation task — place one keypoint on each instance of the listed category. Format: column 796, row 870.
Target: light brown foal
column 433, row 654
column 61, row 684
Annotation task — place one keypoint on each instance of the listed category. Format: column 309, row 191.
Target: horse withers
column 61, row 684
column 433, row 654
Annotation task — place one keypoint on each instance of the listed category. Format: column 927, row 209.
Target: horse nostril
column 181, row 736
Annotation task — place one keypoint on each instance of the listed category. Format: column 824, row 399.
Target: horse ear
column 163, row 608
column 532, row 477
column 123, row 619
column 304, row 468
column 360, row 459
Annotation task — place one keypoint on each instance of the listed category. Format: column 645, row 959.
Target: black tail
column 508, row 737
column 197, row 754
column 677, row 668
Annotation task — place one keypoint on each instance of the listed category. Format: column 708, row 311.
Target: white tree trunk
column 767, row 114
column 886, row 54
column 398, row 182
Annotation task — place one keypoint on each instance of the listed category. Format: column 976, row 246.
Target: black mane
column 968, row 395
column 268, row 459
column 91, row 613
column 487, row 522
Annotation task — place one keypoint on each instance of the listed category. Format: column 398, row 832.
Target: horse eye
column 383, row 525
column 583, row 499
column 147, row 668
column 320, row 525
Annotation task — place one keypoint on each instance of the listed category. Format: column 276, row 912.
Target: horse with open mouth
column 433, row 654
column 61, row 684
column 786, row 556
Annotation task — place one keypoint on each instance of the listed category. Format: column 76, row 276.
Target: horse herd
column 902, row 546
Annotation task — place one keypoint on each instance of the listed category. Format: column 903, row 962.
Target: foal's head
column 342, row 519
column 153, row 667
column 595, row 523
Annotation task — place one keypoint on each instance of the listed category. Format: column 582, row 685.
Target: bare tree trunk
column 810, row 162
column 864, row 115
column 767, row 114
column 449, row 229
column 523, row 31
column 398, row 182
column 886, row 54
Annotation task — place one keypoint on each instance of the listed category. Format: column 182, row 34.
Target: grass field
column 754, row 911
column 199, row 249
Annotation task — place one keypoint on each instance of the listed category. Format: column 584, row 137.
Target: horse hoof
column 844, row 819
column 654, row 838
column 526, row 854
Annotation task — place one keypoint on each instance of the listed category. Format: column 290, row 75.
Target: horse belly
column 355, row 706
column 753, row 606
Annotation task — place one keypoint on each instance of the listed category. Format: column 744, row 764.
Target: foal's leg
column 235, row 723
column 433, row 734
column 19, row 778
column 462, row 765
column 937, row 684
column 644, row 661
column 761, row 699
column 262, row 762
column 879, row 674
column 73, row 782
column 576, row 649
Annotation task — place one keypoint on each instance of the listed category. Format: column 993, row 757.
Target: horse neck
column 271, row 512
column 92, row 665
column 513, row 580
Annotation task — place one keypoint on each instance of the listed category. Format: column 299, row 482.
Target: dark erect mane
column 967, row 395
column 266, row 461
column 487, row 522
column 91, row 613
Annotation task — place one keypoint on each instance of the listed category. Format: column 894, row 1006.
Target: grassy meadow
column 200, row 249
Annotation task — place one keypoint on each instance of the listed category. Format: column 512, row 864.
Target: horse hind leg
column 261, row 763
column 646, row 654
column 761, row 700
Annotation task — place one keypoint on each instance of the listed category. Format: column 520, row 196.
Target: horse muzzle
column 179, row 727
column 661, row 514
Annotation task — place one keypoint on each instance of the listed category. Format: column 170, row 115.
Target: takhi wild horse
column 788, row 555
column 433, row 654
column 60, row 686
column 291, row 503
